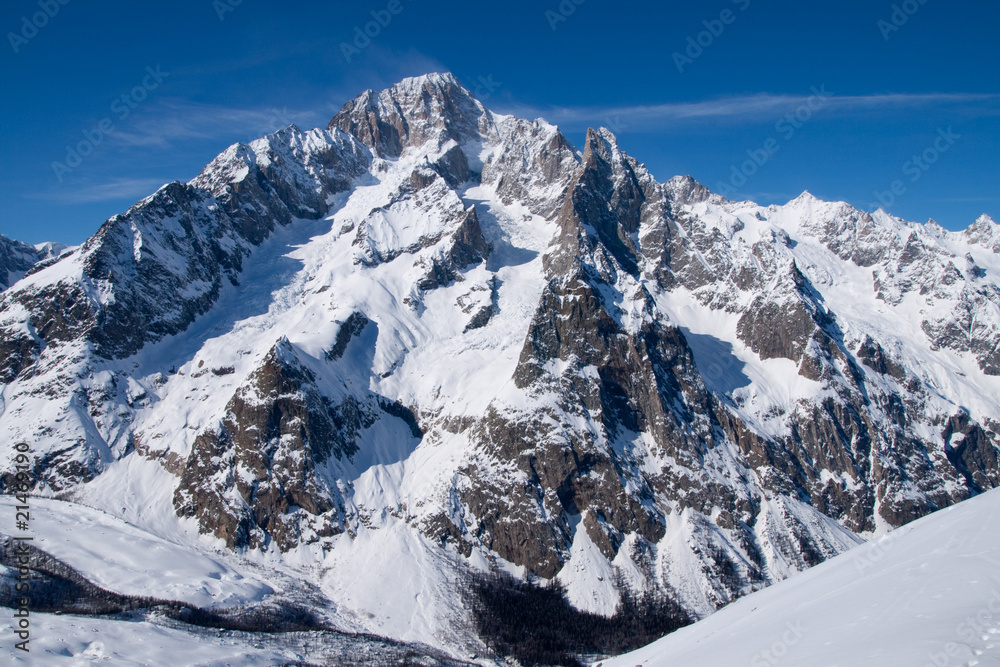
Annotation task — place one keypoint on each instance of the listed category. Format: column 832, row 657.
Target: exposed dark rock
column 481, row 318
column 641, row 382
column 400, row 411
column 974, row 452
column 16, row 259
column 278, row 430
column 453, row 166
column 411, row 113
column 17, row 351
column 466, row 247
column 352, row 327
column 533, row 168
column 876, row 358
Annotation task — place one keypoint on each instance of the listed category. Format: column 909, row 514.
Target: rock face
column 436, row 320
column 20, row 259
column 264, row 456
column 148, row 273
column 15, row 259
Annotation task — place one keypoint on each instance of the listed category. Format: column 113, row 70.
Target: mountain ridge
column 439, row 325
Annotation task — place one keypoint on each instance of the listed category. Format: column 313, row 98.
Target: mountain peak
column 686, row 190
column 439, row 79
column 986, row 221
column 601, row 142
column 16, row 258
column 985, row 232
column 934, row 228
column 805, row 197
column 412, row 112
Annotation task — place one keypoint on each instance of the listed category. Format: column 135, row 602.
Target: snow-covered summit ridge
column 433, row 107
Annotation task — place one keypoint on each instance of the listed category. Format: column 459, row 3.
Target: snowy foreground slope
column 927, row 594
column 924, row 594
column 117, row 556
column 429, row 341
column 70, row 640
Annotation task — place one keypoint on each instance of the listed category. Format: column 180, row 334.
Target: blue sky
column 825, row 96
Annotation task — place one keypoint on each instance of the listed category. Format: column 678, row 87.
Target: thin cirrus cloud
column 173, row 120
column 171, row 126
column 751, row 108
column 114, row 189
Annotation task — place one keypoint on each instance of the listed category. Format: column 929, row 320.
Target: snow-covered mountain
column 926, row 594
column 434, row 338
column 18, row 258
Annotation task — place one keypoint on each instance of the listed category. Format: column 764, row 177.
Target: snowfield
column 926, row 594
column 122, row 558
column 73, row 640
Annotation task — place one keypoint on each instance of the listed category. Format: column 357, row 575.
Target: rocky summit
column 430, row 339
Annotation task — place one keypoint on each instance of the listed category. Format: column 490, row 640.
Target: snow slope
column 925, row 594
column 120, row 557
column 72, row 640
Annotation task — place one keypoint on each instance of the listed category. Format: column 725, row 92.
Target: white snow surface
column 766, row 391
column 926, row 594
column 71, row 641
column 122, row 558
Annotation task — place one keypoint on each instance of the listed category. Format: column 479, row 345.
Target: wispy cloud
column 129, row 189
column 156, row 136
column 168, row 124
column 174, row 119
column 748, row 108
column 962, row 200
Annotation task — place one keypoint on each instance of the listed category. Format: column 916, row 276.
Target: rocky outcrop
column 466, row 246
column 16, row 259
column 149, row 272
column 984, row 232
column 433, row 108
column 257, row 476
